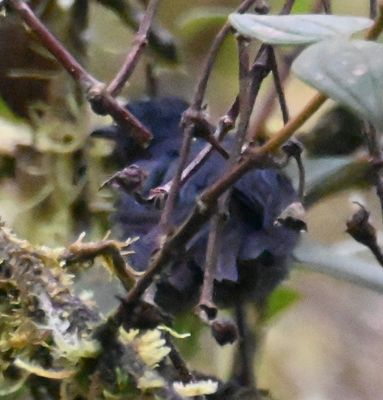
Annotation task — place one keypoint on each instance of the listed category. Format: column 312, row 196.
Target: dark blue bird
column 255, row 252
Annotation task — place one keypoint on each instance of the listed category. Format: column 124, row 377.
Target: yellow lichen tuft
column 149, row 345
column 196, row 388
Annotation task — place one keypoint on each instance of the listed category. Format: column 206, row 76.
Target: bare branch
column 209, row 62
column 244, row 372
column 327, row 6
column 71, row 65
column 376, row 29
column 140, row 41
column 217, row 225
column 278, row 86
column 360, row 229
column 373, row 9
column 286, row 9
column 189, row 125
column 375, row 150
column 95, row 91
column 80, row 251
column 225, row 124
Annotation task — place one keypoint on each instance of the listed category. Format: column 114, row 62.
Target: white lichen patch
column 197, row 388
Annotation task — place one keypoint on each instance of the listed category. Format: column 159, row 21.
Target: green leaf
column 279, row 301
column 350, row 72
column 343, row 265
column 296, row 29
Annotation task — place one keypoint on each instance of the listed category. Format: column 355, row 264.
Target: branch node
column 359, row 228
column 208, row 309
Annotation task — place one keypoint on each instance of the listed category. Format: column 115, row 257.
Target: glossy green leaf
column 344, row 265
column 280, row 300
column 350, row 72
column 296, row 29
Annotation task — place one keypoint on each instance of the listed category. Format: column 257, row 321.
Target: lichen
column 49, row 333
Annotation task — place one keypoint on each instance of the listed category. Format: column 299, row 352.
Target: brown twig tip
column 111, row 250
column 202, row 129
column 360, row 229
column 130, row 179
column 293, row 148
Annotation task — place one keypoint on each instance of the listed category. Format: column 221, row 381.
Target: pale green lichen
column 150, row 345
column 47, row 331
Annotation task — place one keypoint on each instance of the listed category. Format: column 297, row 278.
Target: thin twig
column 296, row 147
column 265, row 108
column 377, row 252
column 178, row 362
column 189, row 125
column 257, row 69
column 373, row 9
column 245, row 98
column 360, row 229
column 209, row 62
column 225, row 124
column 207, row 202
column 121, row 115
column 94, row 89
column 74, row 68
column 296, row 152
column 278, row 86
column 246, row 349
column 165, row 221
column 327, row 6
column 206, row 302
column 140, row 41
column 160, row 40
column 375, row 150
column 286, row 9
column 377, row 27
column 302, row 178
column 80, row 251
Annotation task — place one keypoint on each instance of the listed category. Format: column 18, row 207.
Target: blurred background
column 329, row 343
